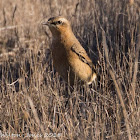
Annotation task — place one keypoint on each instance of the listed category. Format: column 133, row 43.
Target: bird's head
column 57, row 25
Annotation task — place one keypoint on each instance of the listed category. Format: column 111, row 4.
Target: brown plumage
column 69, row 57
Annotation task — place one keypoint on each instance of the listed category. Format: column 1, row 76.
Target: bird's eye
column 59, row 22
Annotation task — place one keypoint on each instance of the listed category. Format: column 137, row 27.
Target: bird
column 70, row 59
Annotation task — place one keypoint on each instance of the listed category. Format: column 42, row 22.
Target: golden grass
column 36, row 103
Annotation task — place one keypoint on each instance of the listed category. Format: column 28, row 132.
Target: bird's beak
column 46, row 23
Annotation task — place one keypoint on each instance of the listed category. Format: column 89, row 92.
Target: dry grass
column 35, row 103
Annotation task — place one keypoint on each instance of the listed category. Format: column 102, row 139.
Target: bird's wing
column 82, row 55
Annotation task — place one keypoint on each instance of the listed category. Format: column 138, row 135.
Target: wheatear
column 69, row 57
